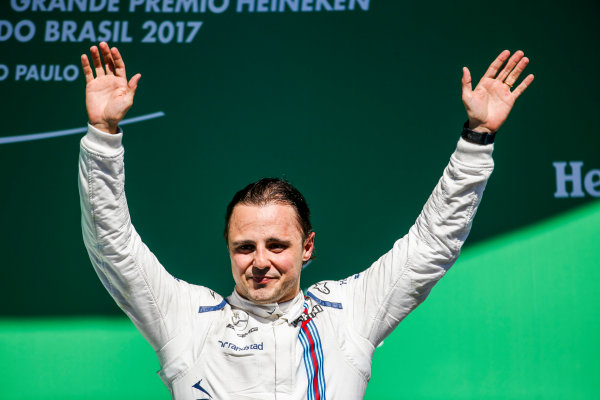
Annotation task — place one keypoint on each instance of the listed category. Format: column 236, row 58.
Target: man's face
column 267, row 251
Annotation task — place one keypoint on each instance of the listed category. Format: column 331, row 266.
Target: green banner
column 356, row 102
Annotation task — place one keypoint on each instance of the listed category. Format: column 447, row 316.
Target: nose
column 261, row 261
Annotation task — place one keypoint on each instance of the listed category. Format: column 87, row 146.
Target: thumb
column 133, row 82
column 466, row 82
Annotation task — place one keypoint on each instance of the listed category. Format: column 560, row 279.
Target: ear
column 309, row 246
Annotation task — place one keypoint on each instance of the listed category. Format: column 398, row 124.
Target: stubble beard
column 271, row 293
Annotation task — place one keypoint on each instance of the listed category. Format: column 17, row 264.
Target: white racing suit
column 317, row 346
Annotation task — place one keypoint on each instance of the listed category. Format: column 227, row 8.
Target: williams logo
column 577, row 180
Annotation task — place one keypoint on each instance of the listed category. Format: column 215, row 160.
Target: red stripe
column 314, row 358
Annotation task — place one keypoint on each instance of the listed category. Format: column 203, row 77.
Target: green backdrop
column 360, row 108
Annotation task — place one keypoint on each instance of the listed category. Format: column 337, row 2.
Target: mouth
column 262, row 279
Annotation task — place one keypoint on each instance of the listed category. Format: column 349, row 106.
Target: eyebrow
column 239, row 242
column 269, row 240
column 272, row 239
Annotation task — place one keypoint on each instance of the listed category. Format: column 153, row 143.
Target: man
column 268, row 340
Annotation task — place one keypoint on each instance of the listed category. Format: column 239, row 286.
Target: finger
column 510, row 65
column 97, row 62
column 108, row 60
column 524, row 85
column 496, row 64
column 87, row 69
column 514, row 75
column 467, row 87
column 119, row 63
column 133, row 82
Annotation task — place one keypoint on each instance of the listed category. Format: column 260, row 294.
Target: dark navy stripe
column 325, row 303
column 204, row 309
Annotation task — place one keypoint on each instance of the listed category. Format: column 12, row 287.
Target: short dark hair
column 268, row 191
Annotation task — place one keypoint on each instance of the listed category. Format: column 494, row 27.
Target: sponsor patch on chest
column 308, row 315
column 234, row 347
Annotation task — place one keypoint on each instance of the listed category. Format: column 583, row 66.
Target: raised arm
column 492, row 100
column 402, row 278
column 108, row 96
column 158, row 304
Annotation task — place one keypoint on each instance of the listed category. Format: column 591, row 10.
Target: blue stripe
column 219, row 306
column 308, row 359
column 321, row 369
column 325, row 303
column 308, row 364
column 319, row 350
column 319, row 355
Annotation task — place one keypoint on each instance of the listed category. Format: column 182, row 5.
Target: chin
column 262, row 298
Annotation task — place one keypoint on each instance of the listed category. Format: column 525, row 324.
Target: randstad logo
column 228, row 345
column 574, row 175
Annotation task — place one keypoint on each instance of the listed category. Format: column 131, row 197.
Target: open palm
column 108, row 96
column 492, row 100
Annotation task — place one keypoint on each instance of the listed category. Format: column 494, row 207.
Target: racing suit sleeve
column 383, row 295
column 142, row 288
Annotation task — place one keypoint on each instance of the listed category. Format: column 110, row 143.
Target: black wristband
column 477, row 137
